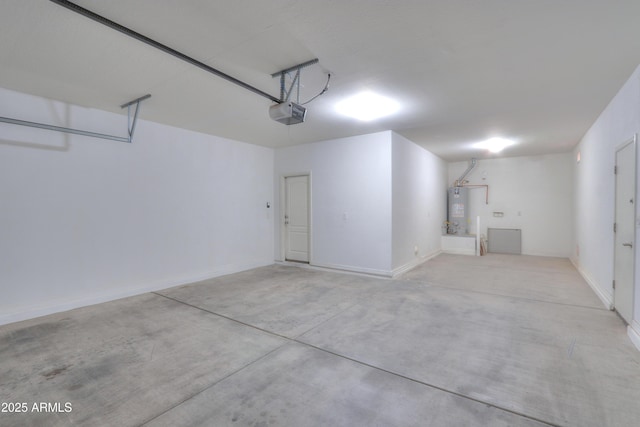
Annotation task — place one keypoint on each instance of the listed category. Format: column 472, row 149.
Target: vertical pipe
column 478, row 242
column 460, row 180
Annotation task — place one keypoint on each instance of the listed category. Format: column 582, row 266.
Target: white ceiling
column 464, row 70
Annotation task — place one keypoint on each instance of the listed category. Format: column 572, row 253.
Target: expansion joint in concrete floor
column 221, row 315
column 213, row 384
column 496, row 294
column 448, row 342
column 297, row 341
column 432, row 386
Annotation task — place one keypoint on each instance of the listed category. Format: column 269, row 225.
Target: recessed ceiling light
column 367, row 106
column 495, row 145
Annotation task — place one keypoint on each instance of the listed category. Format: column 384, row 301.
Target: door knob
column 628, row 244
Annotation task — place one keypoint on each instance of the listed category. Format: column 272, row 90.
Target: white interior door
column 625, row 230
column 296, row 218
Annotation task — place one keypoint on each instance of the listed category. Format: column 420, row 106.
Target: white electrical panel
column 505, row 240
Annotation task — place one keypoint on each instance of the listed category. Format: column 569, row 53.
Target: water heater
column 458, row 210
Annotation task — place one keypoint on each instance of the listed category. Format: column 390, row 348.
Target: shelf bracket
column 131, row 125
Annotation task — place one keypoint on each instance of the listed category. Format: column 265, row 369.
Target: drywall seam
column 605, row 298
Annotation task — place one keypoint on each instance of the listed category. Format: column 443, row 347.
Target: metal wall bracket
column 285, row 94
column 131, row 125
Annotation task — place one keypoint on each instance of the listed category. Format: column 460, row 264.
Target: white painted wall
column 351, row 200
column 85, row 220
column 419, row 203
column 595, row 192
column 535, row 193
column 374, row 198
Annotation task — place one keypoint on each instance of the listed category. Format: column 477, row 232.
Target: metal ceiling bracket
column 296, row 79
column 284, row 93
column 131, row 125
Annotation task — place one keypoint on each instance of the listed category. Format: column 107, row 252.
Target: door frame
column 283, row 209
column 630, row 141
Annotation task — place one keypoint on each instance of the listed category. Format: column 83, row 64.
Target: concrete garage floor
column 459, row 341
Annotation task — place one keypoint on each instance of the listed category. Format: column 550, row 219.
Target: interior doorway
column 624, row 228
column 296, row 218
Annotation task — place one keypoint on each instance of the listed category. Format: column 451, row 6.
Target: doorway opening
column 296, row 218
column 624, row 230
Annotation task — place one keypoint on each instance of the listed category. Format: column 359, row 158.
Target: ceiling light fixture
column 367, row 106
column 495, row 145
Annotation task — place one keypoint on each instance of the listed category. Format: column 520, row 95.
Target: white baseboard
column 606, row 298
column 547, row 254
column 460, row 252
column 633, row 331
column 416, row 262
column 353, row 269
column 458, row 245
column 330, row 269
column 65, row 304
column 369, row 271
